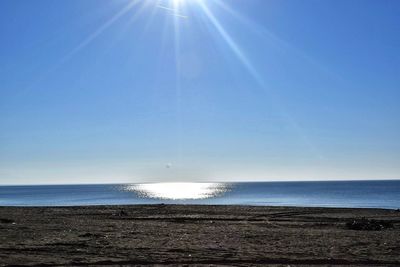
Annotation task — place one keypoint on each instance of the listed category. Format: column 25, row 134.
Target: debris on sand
column 121, row 213
column 90, row 235
column 6, row 220
column 364, row 224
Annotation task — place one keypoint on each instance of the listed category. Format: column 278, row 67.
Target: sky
column 110, row 91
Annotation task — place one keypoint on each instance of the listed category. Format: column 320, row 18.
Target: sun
column 177, row 3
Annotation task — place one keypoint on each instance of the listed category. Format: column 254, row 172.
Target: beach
column 196, row 235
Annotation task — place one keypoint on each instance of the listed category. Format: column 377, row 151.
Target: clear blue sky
column 95, row 91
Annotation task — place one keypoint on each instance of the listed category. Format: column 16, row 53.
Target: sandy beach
column 195, row 235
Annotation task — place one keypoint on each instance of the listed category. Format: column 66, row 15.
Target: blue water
column 372, row 194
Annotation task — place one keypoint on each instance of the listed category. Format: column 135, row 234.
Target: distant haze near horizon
column 134, row 91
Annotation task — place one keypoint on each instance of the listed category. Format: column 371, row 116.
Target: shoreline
column 199, row 205
column 195, row 235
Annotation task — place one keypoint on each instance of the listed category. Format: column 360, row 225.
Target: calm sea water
column 375, row 194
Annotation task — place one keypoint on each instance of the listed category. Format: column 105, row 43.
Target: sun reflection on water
column 179, row 191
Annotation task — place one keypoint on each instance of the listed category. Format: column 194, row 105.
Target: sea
column 350, row 194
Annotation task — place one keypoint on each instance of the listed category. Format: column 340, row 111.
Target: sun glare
column 177, row 3
column 178, row 191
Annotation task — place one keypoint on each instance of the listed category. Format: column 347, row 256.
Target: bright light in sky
column 223, row 89
column 177, row 2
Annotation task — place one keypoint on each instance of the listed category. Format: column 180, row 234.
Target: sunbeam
column 238, row 52
column 101, row 29
column 275, row 40
column 79, row 47
column 177, row 45
column 172, row 11
column 231, row 43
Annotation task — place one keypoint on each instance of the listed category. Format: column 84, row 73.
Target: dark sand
column 198, row 235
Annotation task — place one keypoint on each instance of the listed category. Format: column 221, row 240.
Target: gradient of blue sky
column 96, row 91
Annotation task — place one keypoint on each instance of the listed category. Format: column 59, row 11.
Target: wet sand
column 195, row 235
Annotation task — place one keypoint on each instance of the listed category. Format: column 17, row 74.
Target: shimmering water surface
column 380, row 194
